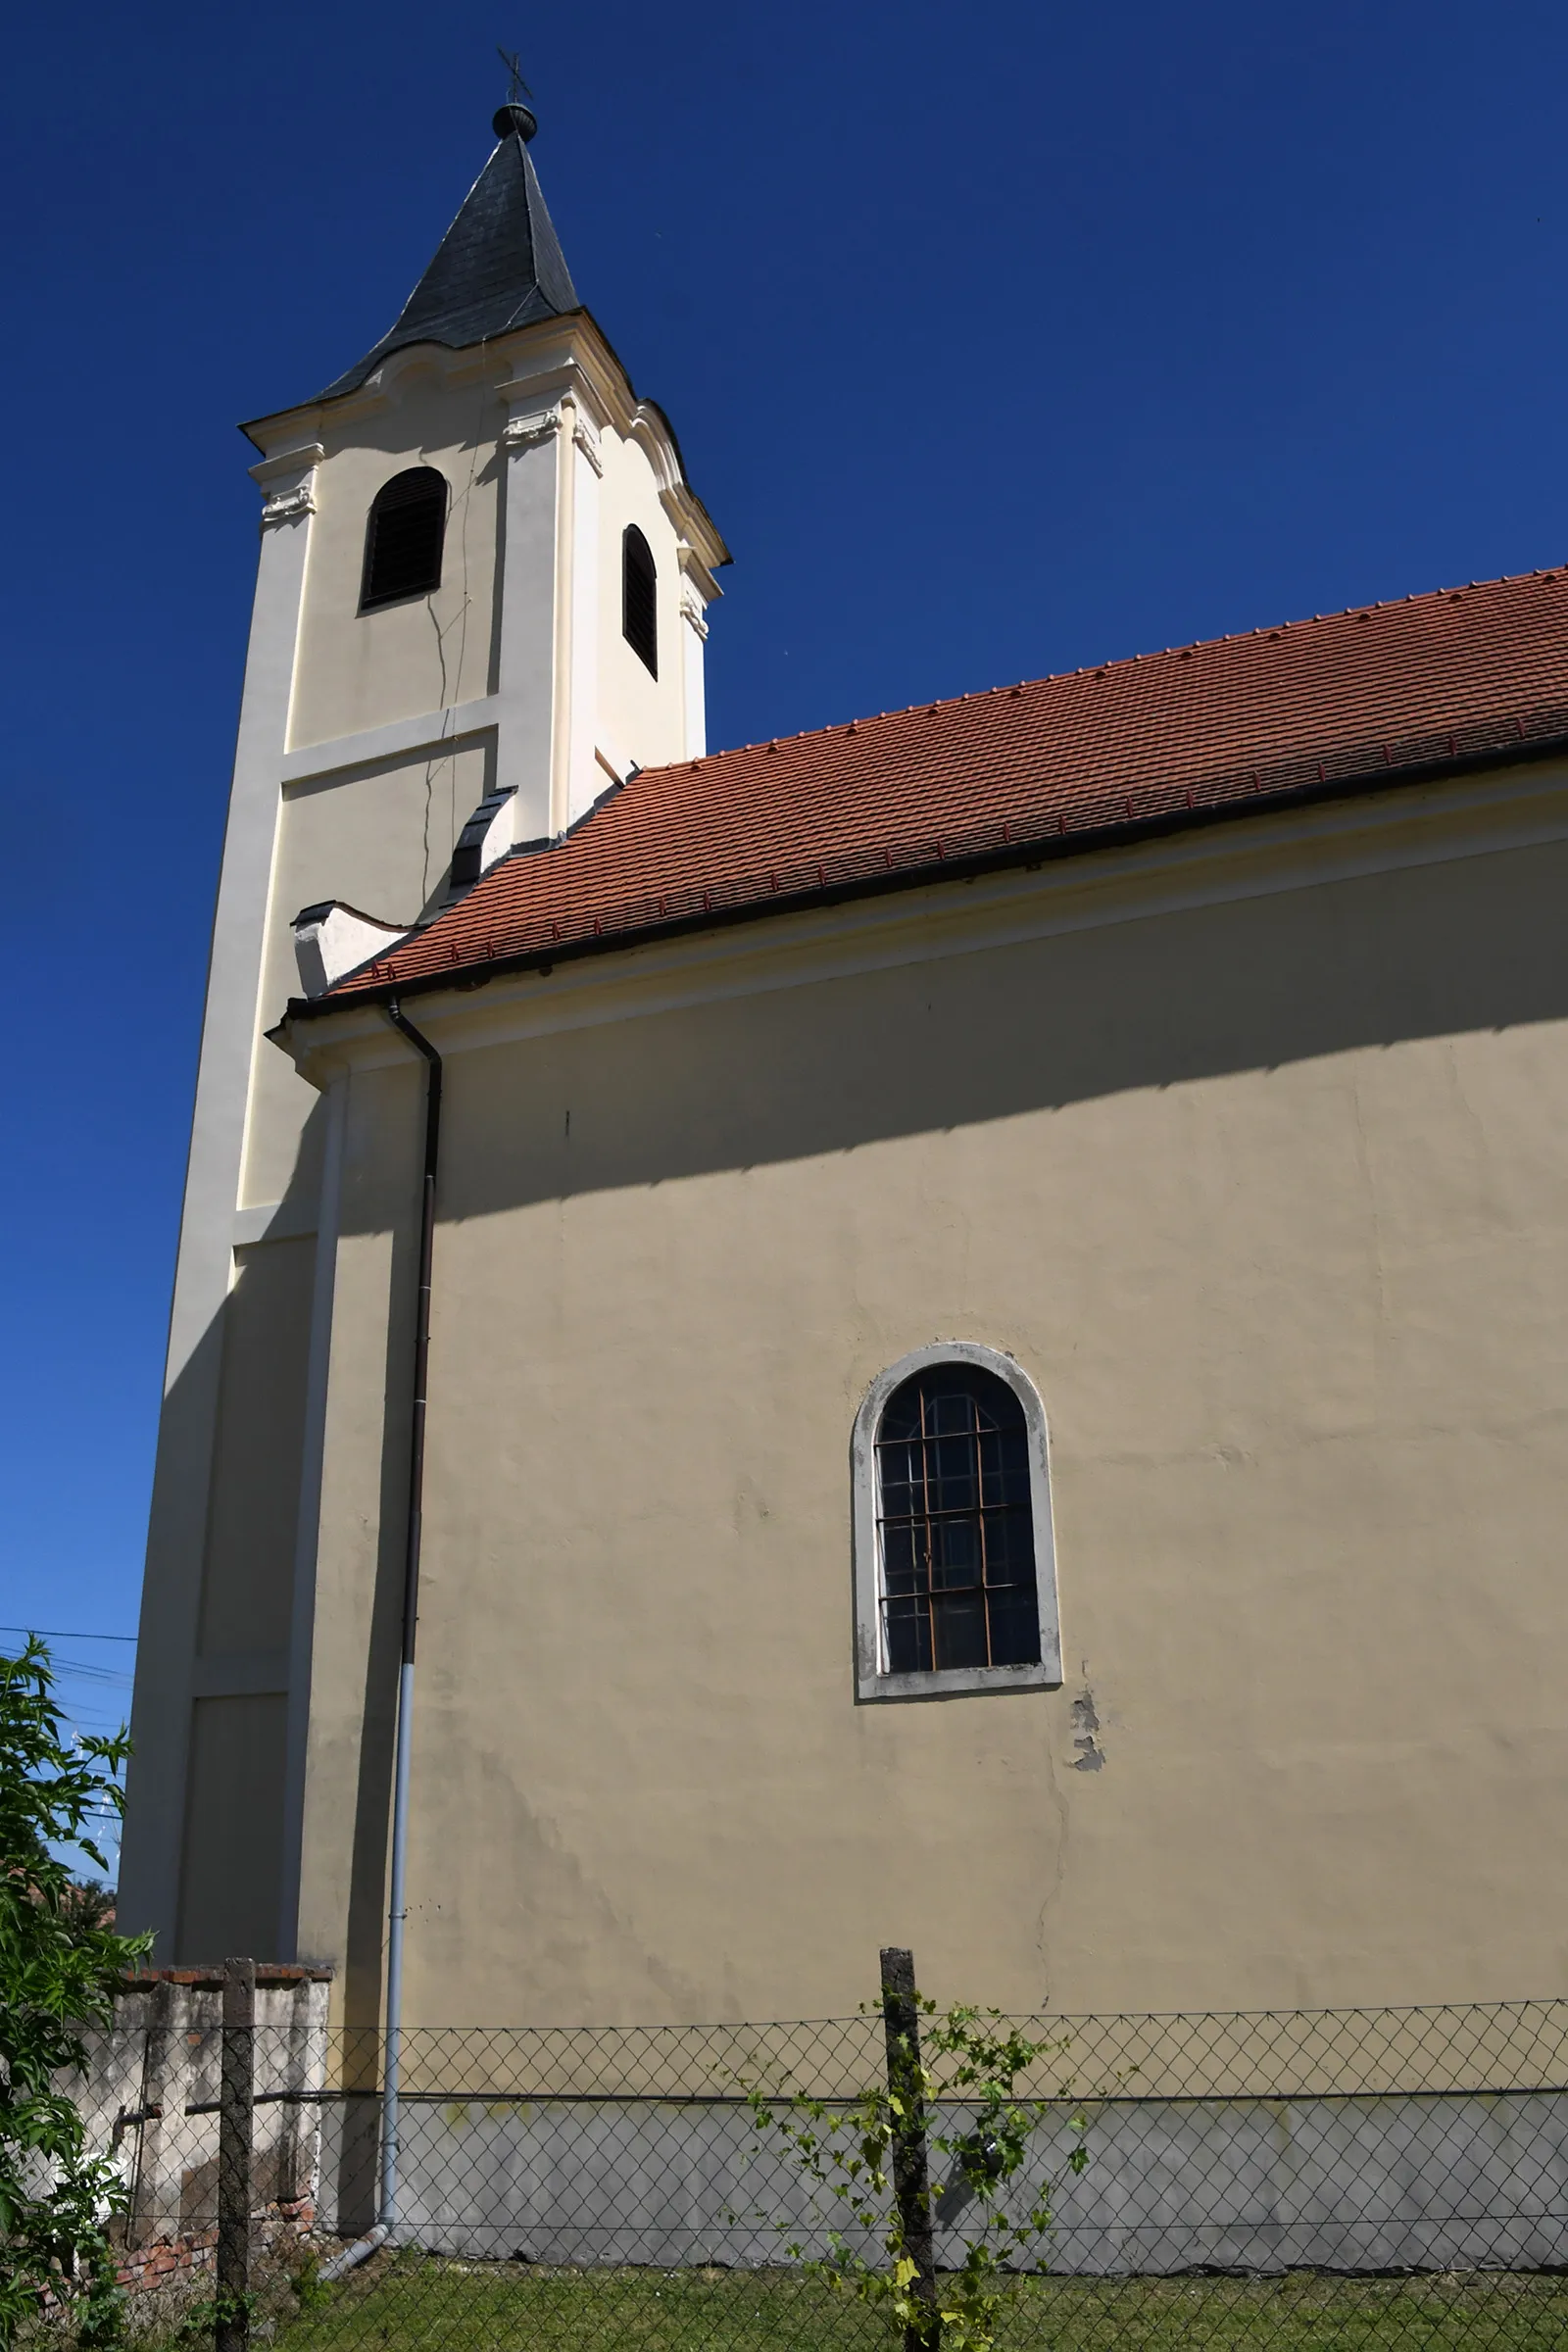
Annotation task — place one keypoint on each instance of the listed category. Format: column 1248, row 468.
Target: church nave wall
column 1263, row 1194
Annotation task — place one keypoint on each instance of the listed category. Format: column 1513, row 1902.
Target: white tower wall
column 366, row 742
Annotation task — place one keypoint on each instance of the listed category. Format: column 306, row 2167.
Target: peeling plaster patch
column 1091, row 1756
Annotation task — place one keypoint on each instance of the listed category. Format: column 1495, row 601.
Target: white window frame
column 872, row 1681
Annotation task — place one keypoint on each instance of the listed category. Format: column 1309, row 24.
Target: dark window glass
column 639, row 608
column 955, row 1523
column 402, row 538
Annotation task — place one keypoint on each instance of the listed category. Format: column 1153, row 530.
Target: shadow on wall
column 1152, row 1004
column 1156, row 1003
column 241, row 1398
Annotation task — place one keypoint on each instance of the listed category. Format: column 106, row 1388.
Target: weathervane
column 513, row 65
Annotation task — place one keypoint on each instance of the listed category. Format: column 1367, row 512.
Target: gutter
column 397, row 1908
column 1027, row 855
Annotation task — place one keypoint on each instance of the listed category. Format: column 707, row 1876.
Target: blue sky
column 999, row 339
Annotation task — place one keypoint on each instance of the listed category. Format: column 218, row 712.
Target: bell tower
column 480, row 605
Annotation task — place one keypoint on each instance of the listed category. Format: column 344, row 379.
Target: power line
column 48, row 1634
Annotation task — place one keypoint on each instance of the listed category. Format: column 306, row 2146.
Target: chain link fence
column 1310, row 2179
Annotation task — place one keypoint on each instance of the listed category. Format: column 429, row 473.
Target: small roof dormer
column 499, row 267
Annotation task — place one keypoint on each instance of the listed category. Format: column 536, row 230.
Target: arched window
column 402, row 538
column 639, row 597
column 954, row 1575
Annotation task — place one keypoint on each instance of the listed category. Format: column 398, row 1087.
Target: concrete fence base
column 1451, row 2182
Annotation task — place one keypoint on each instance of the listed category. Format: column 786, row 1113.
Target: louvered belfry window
column 640, row 598
column 402, row 538
column 955, row 1523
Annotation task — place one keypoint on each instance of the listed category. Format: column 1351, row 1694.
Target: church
column 949, row 1332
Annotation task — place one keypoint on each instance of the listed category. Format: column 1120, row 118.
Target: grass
column 429, row 2304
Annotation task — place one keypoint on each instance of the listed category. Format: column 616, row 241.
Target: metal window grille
column 404, row 537
column 640, row 598
column 956, row 1530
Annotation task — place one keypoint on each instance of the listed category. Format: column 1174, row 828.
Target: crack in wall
column 462, row 506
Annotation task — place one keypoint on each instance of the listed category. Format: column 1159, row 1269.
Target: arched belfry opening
column 402, row 538
column 640, row 596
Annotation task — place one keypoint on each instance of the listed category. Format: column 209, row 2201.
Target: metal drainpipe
column 396, row 1911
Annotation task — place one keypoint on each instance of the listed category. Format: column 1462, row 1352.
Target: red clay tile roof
column 1240, row 724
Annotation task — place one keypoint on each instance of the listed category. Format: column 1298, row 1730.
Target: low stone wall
column 280, row 2232
column 150, row 2100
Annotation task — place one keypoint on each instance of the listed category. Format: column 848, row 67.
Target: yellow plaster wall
column 1267, row 1195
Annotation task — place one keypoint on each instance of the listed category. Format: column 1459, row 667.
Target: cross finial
column 516, row 87
column 515, row 120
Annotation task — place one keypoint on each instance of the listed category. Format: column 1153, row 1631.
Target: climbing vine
column 969, row 2061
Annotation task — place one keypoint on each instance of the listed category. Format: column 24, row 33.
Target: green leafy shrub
column 311, row 2291
column 213, row 2314
column 849, row 2148
column 59, row 1963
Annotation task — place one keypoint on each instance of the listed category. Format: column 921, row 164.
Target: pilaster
column 532, row 452
column 584, row 777
column 694, row 696
column 302, row 1629
column 176, row 1533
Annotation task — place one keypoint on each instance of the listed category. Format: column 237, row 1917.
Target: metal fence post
column 901, row 2023
column 235, row 2117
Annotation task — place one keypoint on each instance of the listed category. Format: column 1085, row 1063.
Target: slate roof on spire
column 500, row 265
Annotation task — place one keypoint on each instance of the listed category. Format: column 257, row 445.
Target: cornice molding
column 552, row 360
column 287, row 483
column 432, row 731
column 693, row 572
column 471, row 365
column 572, row 362
column 283, row 465
column 646, row 426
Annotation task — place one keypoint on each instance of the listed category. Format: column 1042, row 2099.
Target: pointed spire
column 499, row 266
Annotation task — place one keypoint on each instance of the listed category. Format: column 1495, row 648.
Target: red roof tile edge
column 1456, row 593
column 1102, row 820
